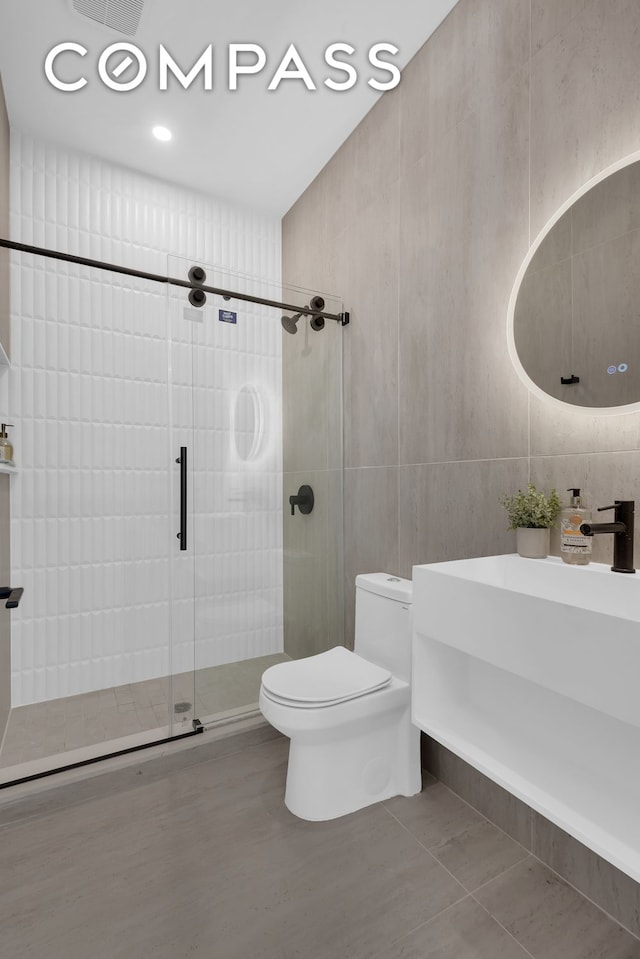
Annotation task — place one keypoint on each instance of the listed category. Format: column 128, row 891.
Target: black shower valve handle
column 304, row 500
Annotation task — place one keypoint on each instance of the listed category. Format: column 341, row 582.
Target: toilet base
column 326, row 780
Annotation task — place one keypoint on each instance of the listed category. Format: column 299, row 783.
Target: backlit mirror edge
column 511, row 344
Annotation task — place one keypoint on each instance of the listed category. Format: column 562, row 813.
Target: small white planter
column 533, row 543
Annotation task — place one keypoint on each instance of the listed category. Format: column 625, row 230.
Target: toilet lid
column 325, row 679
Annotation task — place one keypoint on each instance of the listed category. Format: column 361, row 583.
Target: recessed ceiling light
column 162, row 133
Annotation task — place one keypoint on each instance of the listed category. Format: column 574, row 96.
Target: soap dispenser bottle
column 6, row 447
column 575, row 548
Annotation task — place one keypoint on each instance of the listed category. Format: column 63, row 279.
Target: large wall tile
column 560, row 430
column 452, row 510
column 370, row 528
column 463, row 235
column 369, row 280
column 585, row 99
column 377, row 156
column 351, row 179
column 340, row 181
column 305, row 238
column 549, row 17
column 461, row 69
column 311, row 413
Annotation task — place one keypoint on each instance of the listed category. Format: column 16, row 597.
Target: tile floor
column 73, row 722
column 196, row 856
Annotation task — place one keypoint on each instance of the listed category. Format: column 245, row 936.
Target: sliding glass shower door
column 256, row 584
column 164, row 439
column 92, row 501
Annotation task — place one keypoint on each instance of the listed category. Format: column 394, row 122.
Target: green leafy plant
column 532, row 509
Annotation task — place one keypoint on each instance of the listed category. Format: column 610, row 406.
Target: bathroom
column 418, row 225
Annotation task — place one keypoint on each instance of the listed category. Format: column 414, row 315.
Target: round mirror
column 574, row 316
column 248, row 423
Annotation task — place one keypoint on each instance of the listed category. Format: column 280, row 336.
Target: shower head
column 316, row 322
column 289, row 323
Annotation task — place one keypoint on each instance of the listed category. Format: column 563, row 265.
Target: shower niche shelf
column 5, row 366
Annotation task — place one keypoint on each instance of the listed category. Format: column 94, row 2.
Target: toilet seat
column 323, row 680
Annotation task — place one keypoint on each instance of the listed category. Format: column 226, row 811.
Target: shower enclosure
column 160, row 432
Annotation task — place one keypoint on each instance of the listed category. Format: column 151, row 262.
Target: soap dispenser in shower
column 6, row 447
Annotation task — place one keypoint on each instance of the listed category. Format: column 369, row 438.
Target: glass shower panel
column 248, row 556
column 91, row 502
column 313, row 453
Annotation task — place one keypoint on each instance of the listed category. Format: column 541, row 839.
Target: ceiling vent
column 121, row 15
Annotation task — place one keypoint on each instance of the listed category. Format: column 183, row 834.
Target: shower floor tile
column 73, row 722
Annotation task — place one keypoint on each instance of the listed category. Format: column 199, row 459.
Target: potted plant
column 532, row 514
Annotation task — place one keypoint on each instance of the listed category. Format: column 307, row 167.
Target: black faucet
column 622, row 529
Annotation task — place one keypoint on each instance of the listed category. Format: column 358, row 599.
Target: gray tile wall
column 5, row 565
column 421, row 221
column 312, row 451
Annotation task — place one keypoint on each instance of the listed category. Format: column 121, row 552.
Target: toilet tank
column 383, row 622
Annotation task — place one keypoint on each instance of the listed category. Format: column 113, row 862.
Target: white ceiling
column 251, row 146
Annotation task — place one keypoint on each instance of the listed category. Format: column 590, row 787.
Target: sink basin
column 573, row 629
column 529, row 670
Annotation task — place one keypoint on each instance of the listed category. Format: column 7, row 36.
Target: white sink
column 573, row 629
column 530, row 671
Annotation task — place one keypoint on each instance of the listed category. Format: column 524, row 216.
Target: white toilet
column 348, row 715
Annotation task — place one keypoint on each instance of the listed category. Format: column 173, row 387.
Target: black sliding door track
column 98, row 759
column 172, row 281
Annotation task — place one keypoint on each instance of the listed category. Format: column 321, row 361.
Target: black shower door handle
column 182, row 460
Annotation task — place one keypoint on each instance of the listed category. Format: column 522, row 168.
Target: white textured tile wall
column 100, row 416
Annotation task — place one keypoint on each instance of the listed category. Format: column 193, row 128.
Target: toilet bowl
column 348, row 714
